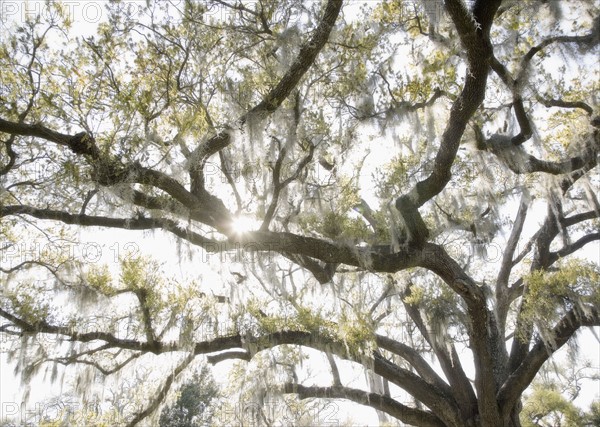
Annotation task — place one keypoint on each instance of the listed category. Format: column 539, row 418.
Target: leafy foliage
column 192, row 405
column 404, row 191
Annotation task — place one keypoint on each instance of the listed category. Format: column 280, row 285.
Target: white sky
column 86, row 15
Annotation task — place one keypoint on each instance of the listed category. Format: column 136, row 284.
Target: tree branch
column 590, row 39
column 521, row 162
column 565, row 104
column 82, row 143
column 441, row 403
column 101, row 221
column 415, row 360
column 279, row 185
column 526, row 371
column 162, row 391
column 574, row 247
column 381, row 403
column 509, row 251
column 577, row 218
column 110, row 171
column 335, row 373
column 475, row 39
column 271, row 102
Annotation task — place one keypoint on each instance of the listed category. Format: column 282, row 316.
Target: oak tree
column 418, row 180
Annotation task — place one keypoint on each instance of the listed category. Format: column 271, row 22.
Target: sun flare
column 243, row 224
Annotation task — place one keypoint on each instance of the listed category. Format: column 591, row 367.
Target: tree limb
column 274, row 98
column 82, row 143
column 386, row 404
column 522, row 376
column 565, row 104
column 162, row 391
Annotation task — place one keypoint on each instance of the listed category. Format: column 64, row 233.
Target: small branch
column 89, row 196
column 230, row 180
column 162, row 392
column 26, row 264
column 590, row 39
column 511, row 245
column 574, row 247
column 566, row 104
column 278, row 185
column 274, row 98
column 101, row 221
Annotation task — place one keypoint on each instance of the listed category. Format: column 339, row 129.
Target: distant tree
column 546, row 406
column 551, row 400
column 592, row 417
column 191, row 409
column 404, row 187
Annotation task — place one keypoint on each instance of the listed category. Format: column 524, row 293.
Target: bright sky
column 85, row 16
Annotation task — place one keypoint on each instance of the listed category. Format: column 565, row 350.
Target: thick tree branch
column 520, row 113
column 82, row 143
column 444, row 406
column 574, row 247
column 279, row 242
column 580, row 217
column 385, row 404
column 484, row 337
column 102, row 221
column 525, row 372
column 448, row 359
column 372, row 258
column 229, row 355
column 415, row 360
column 441, row 403
column 12, row 155
column 475, row 39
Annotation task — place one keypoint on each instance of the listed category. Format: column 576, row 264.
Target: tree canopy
column 404, row 187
